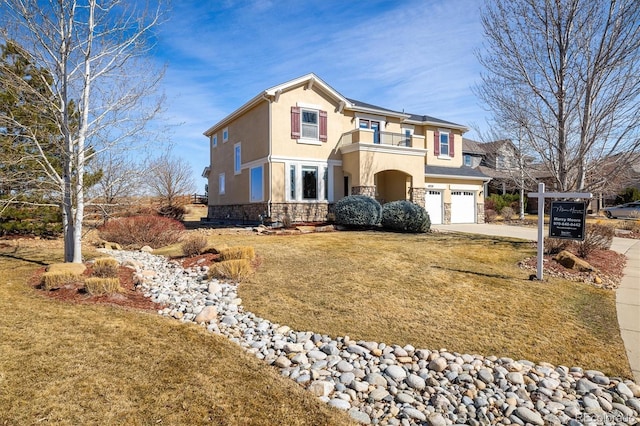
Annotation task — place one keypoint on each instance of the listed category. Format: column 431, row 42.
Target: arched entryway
column 392, row 185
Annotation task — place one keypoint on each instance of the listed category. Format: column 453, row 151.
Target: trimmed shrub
column 628, row 195
column 194, row 245
column 172, row 212
column 405, row 216
column 596, row 237
column 357, row 211
column 234, row 269
column 105, row 267
column 497, row 202
column 240, row 252
column 490, row 215
column 97, row 286
column 138, row 231
column 507, row 214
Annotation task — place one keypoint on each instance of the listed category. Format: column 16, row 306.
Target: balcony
column 369, row 136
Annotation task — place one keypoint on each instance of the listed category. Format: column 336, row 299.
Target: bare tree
column 121, row 181
column 100, row 92
column 565, row 73
column 170, row 177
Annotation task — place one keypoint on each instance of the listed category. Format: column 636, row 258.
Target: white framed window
column 237, row 158
column 309, row 124
column 444, row 143
column 221, row 184
column 256, row 184
column 307, row 182
column 214, row 140
column 225, row 134
column 467, row 160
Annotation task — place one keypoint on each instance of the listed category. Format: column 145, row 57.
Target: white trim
column 308, row 106
column 456, row 177
column 237, row 161
column 309, row 141
column 254, row 163
column 444, row 157
column 379, row 118
column 388, row 149
column 283, row 159
column 320, row 189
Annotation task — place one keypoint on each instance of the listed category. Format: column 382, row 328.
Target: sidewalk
column 627, row 295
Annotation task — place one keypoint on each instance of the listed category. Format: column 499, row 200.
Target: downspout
column 269, row 164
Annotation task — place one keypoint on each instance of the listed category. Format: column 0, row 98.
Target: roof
column 460, row 172
column 312, row 80
column 470, row 146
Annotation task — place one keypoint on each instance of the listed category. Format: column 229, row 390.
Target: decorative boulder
column 571, row 261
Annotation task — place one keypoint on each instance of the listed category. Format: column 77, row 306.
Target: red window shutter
column 436, row 143
column 323, row 126
column 295, row 123
column 451, row 151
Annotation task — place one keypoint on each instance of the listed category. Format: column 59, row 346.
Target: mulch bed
column 609, row 265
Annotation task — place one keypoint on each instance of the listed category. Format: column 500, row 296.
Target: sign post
column 565, row 219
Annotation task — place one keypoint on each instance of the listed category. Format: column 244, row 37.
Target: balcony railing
column 377, row 137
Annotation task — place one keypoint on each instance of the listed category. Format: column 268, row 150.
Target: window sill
column 309, row 141
column 308, row 201
column 444, row 157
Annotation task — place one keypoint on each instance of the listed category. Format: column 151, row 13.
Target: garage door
column 463, row 207
column 433, row 206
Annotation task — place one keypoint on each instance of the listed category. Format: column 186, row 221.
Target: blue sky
column 412, row 55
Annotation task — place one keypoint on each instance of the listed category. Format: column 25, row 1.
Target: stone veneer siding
column 300, row 212
column 237, row 212
column 480, row 213
column 369, row 191
column 418, row 196
column 446, row 220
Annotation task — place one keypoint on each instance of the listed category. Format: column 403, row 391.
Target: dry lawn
column 69, row 364
column 459, row 292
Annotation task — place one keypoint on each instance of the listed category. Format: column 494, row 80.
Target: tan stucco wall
column 285, row 146
column 363, row 165
column 455, row 161
column 251, row 130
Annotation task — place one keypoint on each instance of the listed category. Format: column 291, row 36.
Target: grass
column 462, row 293
column 86, row 364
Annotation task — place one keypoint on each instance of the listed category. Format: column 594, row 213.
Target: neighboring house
column 298, row 147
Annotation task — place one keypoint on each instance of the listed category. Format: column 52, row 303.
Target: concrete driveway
column 627, row 295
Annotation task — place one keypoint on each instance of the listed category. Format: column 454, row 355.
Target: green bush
column 38, row 221
column 628, row 195
column 405, row 216
column 357, row 211
column 497, row 202
column 138, row 231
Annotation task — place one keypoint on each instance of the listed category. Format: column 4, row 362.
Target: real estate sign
column 568, row 220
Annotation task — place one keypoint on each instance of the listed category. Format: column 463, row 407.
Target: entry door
column 433, row 206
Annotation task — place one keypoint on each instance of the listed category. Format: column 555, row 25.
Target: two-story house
column 298, row 147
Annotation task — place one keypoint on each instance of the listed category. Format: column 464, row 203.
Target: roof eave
column 460, row 127
column 253, row 102
column 457, row 177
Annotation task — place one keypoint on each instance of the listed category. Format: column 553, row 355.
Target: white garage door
column 433, row 206
column 463, row 207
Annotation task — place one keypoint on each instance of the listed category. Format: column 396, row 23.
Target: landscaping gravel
column 388, row 384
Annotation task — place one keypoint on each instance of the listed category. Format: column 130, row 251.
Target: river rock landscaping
column 389, row 384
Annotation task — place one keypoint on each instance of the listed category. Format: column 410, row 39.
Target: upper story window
column 214, row 140
column 374, row 125
column 225, row 134
column 221, row 187
column 467, row 160
column 443, row 143
column 308, row 124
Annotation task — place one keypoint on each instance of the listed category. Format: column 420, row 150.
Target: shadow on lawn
column 482, row 274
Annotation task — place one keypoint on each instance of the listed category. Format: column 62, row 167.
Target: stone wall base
column 257, row 212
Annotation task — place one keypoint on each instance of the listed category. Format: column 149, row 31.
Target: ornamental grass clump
column 97, row 286
column 405, row 216
column 240, row 252
column 357, row 211
column 596, row 237
column 234, row 269
column 60, row 274
column 105, row 267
